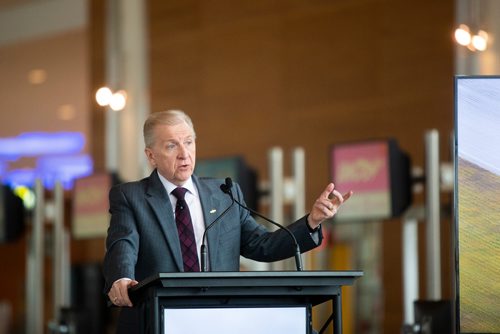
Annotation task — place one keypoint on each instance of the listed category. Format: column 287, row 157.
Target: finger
column 123, row 294
column 117, row 291
column 325, row 203
column 120, row 287
column 113, row 297
column 326, row 208
column 126, row 298
column 110, row 296
column 337, row 196
column 328, row 190
column 348, row 195
column 321, row 215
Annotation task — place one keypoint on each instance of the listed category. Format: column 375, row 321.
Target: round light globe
column 103, row 96
column 118, row 101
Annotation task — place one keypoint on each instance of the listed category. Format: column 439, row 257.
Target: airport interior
column 285, row 96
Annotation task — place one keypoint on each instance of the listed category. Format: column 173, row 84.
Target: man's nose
column 183, row 151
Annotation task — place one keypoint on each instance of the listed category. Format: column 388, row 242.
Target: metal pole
column 277, row 183
column 60, row 257
column 410, row 268
column 35, row 254
column 337, row 308
column 432, row 204
column 276, row 191
column 299, row 196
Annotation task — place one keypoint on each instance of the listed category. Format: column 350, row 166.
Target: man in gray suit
column 143, row 237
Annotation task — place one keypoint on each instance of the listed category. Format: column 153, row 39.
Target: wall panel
column 254, row 74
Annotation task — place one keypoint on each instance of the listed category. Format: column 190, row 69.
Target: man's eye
column 171, row 147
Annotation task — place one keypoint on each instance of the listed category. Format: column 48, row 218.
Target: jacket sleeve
column 122, row 242
column 258, row 243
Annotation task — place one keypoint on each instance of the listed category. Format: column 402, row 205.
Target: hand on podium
column 118, row 294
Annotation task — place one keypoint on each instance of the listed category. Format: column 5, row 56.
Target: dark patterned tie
column 185, row 230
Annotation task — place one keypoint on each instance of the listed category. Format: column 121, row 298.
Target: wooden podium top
column 315, row 285
column 250, row 278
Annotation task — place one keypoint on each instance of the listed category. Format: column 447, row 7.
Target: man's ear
column 150, row 155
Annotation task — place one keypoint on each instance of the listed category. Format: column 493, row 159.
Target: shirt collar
column 169, row 186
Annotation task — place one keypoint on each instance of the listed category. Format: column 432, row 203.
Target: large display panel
column 477, row 203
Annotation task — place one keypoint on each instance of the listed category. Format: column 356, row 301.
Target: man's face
column 173, row 153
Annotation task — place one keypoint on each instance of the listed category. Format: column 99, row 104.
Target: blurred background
column 262, row 80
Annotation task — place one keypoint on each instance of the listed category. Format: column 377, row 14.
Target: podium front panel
column 233, row 291
column 241, row 320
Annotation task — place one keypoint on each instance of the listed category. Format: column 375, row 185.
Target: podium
column 270, row 290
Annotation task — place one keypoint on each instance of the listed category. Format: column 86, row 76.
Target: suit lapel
column 210, row 205
column 159, row 201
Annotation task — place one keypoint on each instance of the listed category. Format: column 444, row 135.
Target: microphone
column 226, row 188
column 203, row 252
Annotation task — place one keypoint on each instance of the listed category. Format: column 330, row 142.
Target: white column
column 432, row 204
column 127, row 69
column 112, row 81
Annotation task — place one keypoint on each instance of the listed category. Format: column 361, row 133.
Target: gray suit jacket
column 143, row 241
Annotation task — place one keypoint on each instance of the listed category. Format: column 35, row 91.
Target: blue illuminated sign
column 58, row 158
column 34, row 144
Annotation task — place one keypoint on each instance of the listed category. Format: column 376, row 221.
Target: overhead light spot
column 66, row 112
column 37, row 76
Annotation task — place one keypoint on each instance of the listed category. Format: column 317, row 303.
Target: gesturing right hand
column 326, row 205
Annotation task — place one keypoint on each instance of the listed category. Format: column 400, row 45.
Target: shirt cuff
column 312, row 230
column 315, row 236
column 122, row 279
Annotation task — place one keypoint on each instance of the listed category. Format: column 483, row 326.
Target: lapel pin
column 213, row 211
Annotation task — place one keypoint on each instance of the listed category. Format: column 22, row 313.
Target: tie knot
column 179, row 193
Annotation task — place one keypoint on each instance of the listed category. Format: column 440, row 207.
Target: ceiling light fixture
column 464, row 35
column 480, row 40
column 115, row 100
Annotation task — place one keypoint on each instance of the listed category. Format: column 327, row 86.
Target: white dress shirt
column 192, row 198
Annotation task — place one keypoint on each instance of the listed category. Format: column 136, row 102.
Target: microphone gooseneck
column 226, row 188
column 203, row 250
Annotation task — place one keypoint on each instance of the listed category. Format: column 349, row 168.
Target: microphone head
column 226, row 187
column 229, row 183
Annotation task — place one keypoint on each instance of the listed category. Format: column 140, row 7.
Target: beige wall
column 26, row 107
column 259, row 74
